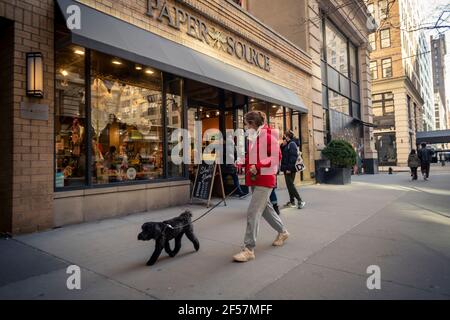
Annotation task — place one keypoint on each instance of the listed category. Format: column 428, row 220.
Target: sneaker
column 243, row 196
column 244, row 256
column 289, row 205
column 301, row 205
column 281, row 239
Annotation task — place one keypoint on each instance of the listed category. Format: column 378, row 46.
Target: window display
column 70, row 122
column 126, row 118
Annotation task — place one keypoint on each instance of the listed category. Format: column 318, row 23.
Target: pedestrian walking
column 231, row 170
column 289, row 149
column 262, row 184
column 413, row 163
column 425, row 156
column 274, row 201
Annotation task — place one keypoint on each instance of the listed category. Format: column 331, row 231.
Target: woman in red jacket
column 261, row 165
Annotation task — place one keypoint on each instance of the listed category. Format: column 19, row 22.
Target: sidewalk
column 383, row 220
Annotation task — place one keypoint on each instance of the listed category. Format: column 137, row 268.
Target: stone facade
column 299, row 21
column 404, row 81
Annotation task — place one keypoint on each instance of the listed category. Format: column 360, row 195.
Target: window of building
column 70, row 118
column 374, row 70
column 340, row 72
column 372, row 41
column 337, row 55
column 386, row 146
column 386, row 65
column 383, row 110
column 338, row 103
column 383, row 9
column 385, row 36
column 126, row 113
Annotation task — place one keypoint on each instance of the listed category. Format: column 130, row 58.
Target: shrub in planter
column 342, row 157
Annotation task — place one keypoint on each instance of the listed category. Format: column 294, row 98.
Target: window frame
column 383, row 39
column 89, row 183
column 383, row 68
column 373, row 68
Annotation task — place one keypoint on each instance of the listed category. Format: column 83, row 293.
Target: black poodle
column 163, row 232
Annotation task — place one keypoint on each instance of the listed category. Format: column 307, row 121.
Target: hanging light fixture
column 35, row 75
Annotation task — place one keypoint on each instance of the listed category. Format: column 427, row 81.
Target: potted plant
column 342, row 157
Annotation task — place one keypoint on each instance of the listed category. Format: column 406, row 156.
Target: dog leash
column 203, row 215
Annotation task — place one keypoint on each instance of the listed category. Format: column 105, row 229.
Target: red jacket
column 267, row 163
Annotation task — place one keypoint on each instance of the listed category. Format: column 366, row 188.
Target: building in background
column 438, row 52
column 441, row 114
column 399, row 69
column 335, row 36
column 426, row 83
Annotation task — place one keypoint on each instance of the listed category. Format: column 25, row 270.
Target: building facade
column 335, row 35
column 438, row 52
column 96, row 88
column 398, row 72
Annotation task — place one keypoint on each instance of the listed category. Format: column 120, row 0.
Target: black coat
column 425, row 155
column 289, row 156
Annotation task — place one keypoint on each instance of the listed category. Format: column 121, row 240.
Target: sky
column 432, row 10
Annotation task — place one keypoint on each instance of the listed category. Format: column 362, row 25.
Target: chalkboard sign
column 204, row 181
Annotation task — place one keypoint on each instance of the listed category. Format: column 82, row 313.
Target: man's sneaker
column 301, row 204
column 281, row 239
column 244, row 256
column 243, row 196
column 289, row 205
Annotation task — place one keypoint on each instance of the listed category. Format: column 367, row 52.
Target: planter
column 339, row 176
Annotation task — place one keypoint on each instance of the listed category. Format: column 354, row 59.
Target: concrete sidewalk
column 383, row 220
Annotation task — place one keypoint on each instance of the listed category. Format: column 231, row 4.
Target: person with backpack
column 290, row 166
column 413, row 164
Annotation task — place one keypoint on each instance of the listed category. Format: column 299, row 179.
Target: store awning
column 110, row 35
column 432, row 137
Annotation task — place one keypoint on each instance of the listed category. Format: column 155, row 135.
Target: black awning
column 432, row 137
column 108, row 34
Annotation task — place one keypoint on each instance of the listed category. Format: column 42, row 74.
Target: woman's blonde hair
column 256, row 118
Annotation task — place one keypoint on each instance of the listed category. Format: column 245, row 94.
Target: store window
column 386, row 65
column 126, row 115
column 385, row 36
column 276, row 120
column 387, row 149
column 70, row 118
column 174, row 121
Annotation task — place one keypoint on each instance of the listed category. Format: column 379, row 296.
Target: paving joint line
column 88, row 269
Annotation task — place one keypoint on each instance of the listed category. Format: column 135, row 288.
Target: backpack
column 299, row 164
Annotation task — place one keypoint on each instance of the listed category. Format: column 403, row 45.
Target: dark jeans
column 236, row 184
column 414, row 173
column 425, row 168
column 273, row 197
column 293, row 193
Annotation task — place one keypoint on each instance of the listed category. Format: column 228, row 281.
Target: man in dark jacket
column 289, row 150
column 425, row 156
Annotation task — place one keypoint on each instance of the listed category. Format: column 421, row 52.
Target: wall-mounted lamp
column 35, row 75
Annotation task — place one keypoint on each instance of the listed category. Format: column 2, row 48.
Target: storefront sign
column 34, row 111
column 197, row 28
